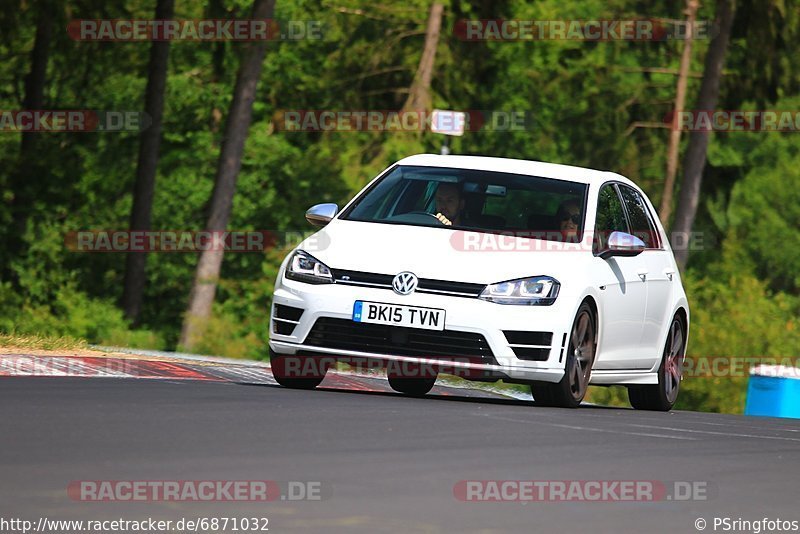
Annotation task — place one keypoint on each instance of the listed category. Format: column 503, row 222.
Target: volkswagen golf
column 552, row 276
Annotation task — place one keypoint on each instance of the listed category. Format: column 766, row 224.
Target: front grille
column 342, row 276
column 285, row 319
column 445, row 286
column 345, row 334
column 528, row 345
column 426, row 285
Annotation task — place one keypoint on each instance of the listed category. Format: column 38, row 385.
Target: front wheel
column 570, row 391
column 298, row 372
column 414, row 380
column 661, row 397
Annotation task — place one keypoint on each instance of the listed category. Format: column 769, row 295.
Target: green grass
column 36, row 342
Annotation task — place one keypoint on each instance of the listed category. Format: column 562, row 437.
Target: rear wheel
column 662, row 396
column 570, row 391
column 298, row 372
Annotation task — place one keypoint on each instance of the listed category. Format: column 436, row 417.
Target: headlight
column 534, row 291
column 304, row 267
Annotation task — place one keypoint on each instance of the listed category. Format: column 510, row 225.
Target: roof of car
column 516, row 166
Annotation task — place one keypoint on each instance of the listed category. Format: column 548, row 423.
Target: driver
column 449, row 204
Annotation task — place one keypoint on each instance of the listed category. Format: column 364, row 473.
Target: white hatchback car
column 487, row 268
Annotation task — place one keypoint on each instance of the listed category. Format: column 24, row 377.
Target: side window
column 642, row 225
column 610, row 217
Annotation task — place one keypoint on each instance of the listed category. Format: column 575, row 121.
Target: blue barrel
column 773, row 391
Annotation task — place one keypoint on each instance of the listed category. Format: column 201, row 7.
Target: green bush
column 72, row 314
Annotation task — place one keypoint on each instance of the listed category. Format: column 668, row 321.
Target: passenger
column 569, row 219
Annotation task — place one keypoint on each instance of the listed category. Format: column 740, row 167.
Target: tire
column 582, row 347
column 542, row 393
column 661, row 397
column 284, row 368
column 409, row 384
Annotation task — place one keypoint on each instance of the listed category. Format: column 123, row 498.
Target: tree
column 35, row 81
column 26, row 181
column 419, row 98
column 695, row 160
column 230, row 161
column 217, row 11
column 665, row 210
column 147, row 165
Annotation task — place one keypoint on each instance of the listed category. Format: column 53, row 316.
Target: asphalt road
column 386, row 463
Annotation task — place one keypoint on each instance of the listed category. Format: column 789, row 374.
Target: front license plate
column 398, row 315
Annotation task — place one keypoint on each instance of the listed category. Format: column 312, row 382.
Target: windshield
column 468, row 199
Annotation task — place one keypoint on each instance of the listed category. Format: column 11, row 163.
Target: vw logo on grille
column 404, row 283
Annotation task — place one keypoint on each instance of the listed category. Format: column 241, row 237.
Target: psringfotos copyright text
column 754, row 526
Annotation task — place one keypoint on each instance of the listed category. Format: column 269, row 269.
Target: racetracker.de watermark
column 471, row 367
column 376, row 120
column 580, row 490
column 426, row 367
column 197, row 490
column 220, row 523
column 579, row 30
column 560, row 241
column 737, row 366
column 137, row 30
column 76, row 120
column 17, row 365
column 190, row 240
column 734, row 121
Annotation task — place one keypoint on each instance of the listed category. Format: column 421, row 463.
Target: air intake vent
column 529, row 346
column 285, row 319
column 523, row 337
column 531, row 354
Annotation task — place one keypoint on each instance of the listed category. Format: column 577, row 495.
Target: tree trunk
column 230, row 161
column 419, row 98
column 28, row 178
column 217, row 11
column 665, row 211
column 35, row 80
column 146, row 167
column 695, row 158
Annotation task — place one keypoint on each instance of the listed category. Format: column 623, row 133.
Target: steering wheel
column 415, row 217
column 420, row 212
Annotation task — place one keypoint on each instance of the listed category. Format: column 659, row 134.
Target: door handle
column 642, row 275
column 669, row 274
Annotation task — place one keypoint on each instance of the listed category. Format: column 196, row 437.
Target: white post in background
column 447, row 122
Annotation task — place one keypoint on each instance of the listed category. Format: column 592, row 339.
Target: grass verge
column 36, row 342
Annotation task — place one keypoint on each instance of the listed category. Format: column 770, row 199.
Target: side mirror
column 321, row 214
column 622, row 244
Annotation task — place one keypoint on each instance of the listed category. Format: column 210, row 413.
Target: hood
column 439, row 253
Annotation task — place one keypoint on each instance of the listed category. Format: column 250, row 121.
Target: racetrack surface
column 387, row 462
